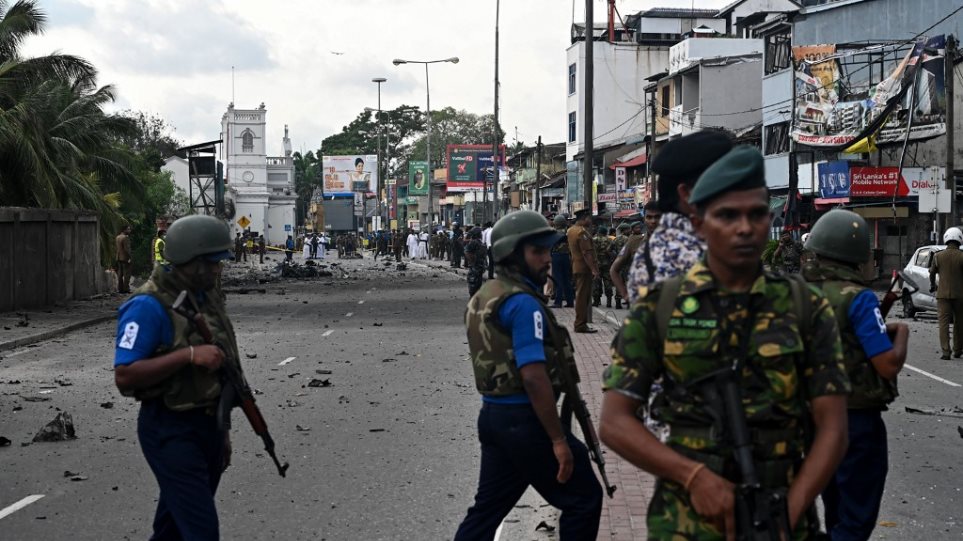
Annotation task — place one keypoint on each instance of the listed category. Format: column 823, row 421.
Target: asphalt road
column 388, row 451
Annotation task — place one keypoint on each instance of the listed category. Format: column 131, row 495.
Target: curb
column 47, row 335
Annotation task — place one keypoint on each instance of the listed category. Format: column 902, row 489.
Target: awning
column 821, row 203
column 777, row 203
column 634, row 162
column 627, row 213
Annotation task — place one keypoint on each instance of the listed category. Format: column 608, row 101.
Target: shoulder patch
column 539, row 325
column 130, row 336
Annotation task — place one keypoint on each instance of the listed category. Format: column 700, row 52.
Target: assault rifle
column 235, row 390
column 574, row 404
column 761, row 514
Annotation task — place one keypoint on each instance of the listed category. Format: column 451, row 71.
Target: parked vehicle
column 918, row 270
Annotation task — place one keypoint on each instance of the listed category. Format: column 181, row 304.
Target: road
column 387, row 452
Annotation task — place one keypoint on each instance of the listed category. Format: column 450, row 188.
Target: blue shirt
column 868, row 324
column 522, row 315
column 142, row 326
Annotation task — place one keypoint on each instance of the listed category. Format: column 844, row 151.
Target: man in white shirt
column 487, row 239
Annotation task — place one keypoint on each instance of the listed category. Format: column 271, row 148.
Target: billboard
column 833, row 179
column 834, row 110
column 344, row 175
column 418, row 178
column 887, row 182
column 471, row 166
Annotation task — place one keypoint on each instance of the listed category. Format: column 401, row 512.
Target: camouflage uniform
column 603, row 257
column 792, row 257
column 476, row 259
column 669, row 251
column 775, row 409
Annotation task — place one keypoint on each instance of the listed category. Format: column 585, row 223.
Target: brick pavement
column 623, row 517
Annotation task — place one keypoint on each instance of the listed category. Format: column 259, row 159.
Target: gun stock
column 236, row 391
column 580, row 410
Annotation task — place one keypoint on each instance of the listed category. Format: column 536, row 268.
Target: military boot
column 618, row 303
column 597, row 302
column 608, row 302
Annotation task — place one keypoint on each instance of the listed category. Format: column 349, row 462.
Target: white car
column 918, row 270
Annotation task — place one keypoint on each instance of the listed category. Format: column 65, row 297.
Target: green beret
column 623, row 225
column 635, row 224
column 742, row 168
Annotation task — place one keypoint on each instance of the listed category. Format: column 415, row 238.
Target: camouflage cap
column 742, row 168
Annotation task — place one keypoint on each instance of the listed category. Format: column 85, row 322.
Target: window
column 664, row 104
column 923, row 259
column 777, row 52
column 776, row 138
column 571, row 79
column 571, row 127
column 247, row 141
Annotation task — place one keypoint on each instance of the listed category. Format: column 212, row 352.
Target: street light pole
column 453, row 60
column 378, row 182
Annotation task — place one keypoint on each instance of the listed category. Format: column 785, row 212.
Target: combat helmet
column 841, row 235
column 560, row 220
column 197, row 235
column 515, row 227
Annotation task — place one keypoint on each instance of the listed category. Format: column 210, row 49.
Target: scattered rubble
column 545, row 527
column 953, row 411
column 107, row 405
column 320, row 382
column 63, row 381
column 75, row 476
column 24, row 320
column 322, row 371
column 60, row 429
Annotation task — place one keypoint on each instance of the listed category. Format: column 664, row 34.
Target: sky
column 311, row 61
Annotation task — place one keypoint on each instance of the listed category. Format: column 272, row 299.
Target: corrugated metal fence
column 48, row 256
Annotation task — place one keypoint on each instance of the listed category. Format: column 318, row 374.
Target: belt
column 756, row 435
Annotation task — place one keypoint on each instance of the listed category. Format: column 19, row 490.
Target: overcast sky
column 174, row 57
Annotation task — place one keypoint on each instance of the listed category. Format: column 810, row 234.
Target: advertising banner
column 833, row 179
column 470, row 167
column 887, row 182
column 573, row 181
column 344, row 175
column 837, row 111
column 418, row 178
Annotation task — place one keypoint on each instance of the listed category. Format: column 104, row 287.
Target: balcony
column 280, row 161
column 684, row 122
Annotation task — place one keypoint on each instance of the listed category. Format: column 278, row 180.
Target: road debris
column 960, row 430
column 320, row 382
column 251, row 355
column 75, row 476
column 4, row 442
column 63, row 381
column 24, row 320
column 60, row 429
column 300, row 428
column 545, row 527
column 322, row 371
column 376, row 430
column 389, row 360
column 34, row 398
column 953, row 411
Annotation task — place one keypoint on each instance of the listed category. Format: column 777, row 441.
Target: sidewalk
column 623, row 516
column 25, row 327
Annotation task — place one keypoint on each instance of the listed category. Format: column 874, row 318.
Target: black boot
column 597, row 302
column 608, row 302
column 618, row 303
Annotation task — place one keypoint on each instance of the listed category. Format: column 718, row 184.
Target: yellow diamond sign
column 244, row 222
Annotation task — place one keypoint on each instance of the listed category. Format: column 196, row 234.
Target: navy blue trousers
column 853, row 495
column 516, row 453
column 562, row 275
column 185, row 450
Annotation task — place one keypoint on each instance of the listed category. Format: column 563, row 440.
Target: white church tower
column 262, row 187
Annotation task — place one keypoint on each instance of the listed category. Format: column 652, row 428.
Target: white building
column 261, row 186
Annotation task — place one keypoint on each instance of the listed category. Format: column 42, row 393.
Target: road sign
column 243, row 221
column 287, row 227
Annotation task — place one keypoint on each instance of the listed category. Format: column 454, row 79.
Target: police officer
column 727, row 310
column 840, row 244
column 562, row 267
column 164, row 363
column 948, row 265
column 674, row 247
column 603, row 258
column 517, row 350
column 584, row 268
column 159, row 247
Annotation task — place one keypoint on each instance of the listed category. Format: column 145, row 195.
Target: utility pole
column 495, row 127
column 538, row 175
column 589, row 168
column 949, row 78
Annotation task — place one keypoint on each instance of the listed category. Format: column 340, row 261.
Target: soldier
column 261, row 249
column 840, row 243
column 620, row 267
column 562, row 267
column 727, row 320
column 948, row 264
column 476, row 257
column 518, row 351
column 164, row 363
column 673, row 248
column 789, row 253
column 238, row 247
column 457, row 246
column 603, row 257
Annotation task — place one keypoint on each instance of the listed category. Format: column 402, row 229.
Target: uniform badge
column 690, row 305
column 130, row 336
